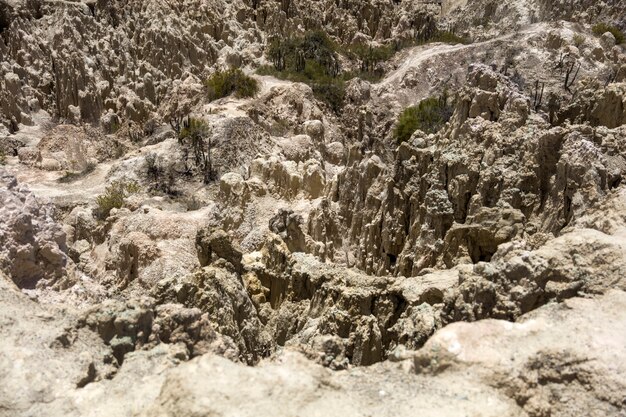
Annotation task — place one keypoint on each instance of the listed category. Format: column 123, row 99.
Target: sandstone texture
column 169, row 251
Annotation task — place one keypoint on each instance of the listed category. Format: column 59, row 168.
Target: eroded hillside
column 312, row 208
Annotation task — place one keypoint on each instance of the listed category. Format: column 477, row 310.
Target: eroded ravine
column 475, row 268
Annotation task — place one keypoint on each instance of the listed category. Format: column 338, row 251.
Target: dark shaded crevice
column 547, row 159
column 7, row 14
column 89, row 378
column 567, row 209
column 614, row 182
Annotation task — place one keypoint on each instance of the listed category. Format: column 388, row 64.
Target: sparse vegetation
column 538, row 96
column 152, row 167
column 311, row 59
column 314, row 59
column 176, row 113
column 314, row 52
column 602, row 28
column 579, row 40
column 369, row 57
column 149, row 127
column 114, row 196
column 192, row 203
column 135, row 132
column 197, row 133
column 327, row 89
column 437, row 36
column 427, row 30
column 114, row 126
column 162, row 179
column 429, row 116
column 3, row 158
column 233, row 81
column 570, row 75
column 70, row 176
column 446, row 37
column 331, row 92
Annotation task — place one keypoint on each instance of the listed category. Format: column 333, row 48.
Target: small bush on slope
column 579, row 40
column 114, row 196
column 369, row 57
column 428, row 116
column 601, row 28
column 224, row 83
column 447, row 37
column 310, row 59
column 197, row 133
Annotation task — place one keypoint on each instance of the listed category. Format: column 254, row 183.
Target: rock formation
column 177, row 242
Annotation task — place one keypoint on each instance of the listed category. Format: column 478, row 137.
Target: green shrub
column 114, row 196
column 447, row 37
column 296, row 54
column 310, row 59
column 224, row 83
column 162, row 179
column 197, row 132
column 3, row 158
column 601, row 28
column 369, row 57
column 429, row 116
column 193, row 128
column 114, row 126
column 332, row 93
column 317, row 46
column 579, row 40
column 326, row 88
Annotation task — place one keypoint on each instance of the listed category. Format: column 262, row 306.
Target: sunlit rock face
column 286, row 207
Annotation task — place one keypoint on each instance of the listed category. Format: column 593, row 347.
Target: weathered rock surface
column 562, row 357
column 441, row 202
column 292, row 257
column 33, row 245
column 561, row 351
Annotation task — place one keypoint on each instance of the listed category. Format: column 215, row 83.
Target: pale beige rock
column 34, row 247
column 542, row 359
column 320, row 267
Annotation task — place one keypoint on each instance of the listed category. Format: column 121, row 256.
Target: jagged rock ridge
column 473, row 269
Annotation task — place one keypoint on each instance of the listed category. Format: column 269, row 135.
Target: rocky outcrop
column 93, row 62
column 142, row 325
column 493, row 367
column 520, row 369
column 136, row 249
column 319, row 266
column 599, row 107
column 288, row 178
column 518, row 280
column 215, row 245
column 540, row 360
column 41, row 355
column 442, row 201
column 221, row 295
column 71, row 149
column 34, row 248
column 489, row 17
column 340, row 316
column 78, row 70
